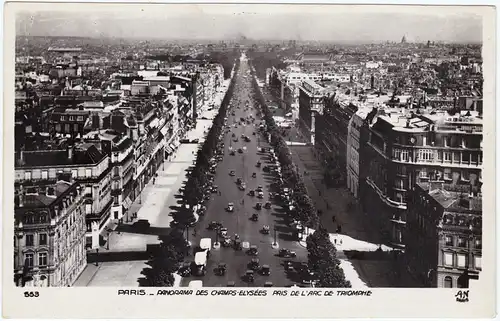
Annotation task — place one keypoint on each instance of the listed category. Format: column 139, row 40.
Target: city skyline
column 367, row 24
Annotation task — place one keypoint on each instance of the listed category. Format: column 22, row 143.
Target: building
column 444, row 234
column 406, row 147
column 332, row 130
column 120, row 149
column 311, row 104
column 85, row 164
column 357, row 134
column 49, row 233
column 68, row 121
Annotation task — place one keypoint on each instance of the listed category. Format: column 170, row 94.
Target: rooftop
column 43, row 196
column 457, row 200
column 83, row 154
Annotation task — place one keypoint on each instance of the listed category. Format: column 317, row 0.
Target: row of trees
column 174, row 247
column 322, row 256
column 305, row 209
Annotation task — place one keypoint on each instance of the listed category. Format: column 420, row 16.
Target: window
column 45, row 174
column 42, row 239
column 88, row 190
column 478, row 244
column 117, row 169
column 63, row 118
column 461, row 260
column 67, row 128
column 115, row 200
column 79, row 118
column 448, row 282
column 116, row 185
column 404, row 155
column 465, row 176
column 75, row 127
column 30, row 240
column 448, row 259
column 88, row 208
column 424, row 141
column 446, row 141
column 71, row 118
column 42, row 259
column 448, row 240
column 28, row 260
column 477, row 262
column 462, row 242
column 27, row 176
column 423, row 173
column 425, row 155
column 447, row 173
column 396, row 154
column 58, row 128
column 447, row 157
column 88, row 172
column 74, row 173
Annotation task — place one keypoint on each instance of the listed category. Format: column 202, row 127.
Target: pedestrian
column 154, row 180
column 333, row 218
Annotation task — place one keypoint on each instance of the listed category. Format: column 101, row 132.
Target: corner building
column 49, row 234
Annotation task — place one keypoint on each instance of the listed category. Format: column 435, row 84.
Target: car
column 239, row 180
column 242, row 186
column 232, row 173
column 184, row 141
column 247, row 139
column 235, row 140
column 254, row 217
column 286, row 253
column 265, row 229
column 240, row 150
column 260, row 188
column 251, row 193
column 258, row 164
column 254, row 264
column 230, row 207
column 253, row 250
column 214, row 189
column 195, row 141
column 267, row 205
column 265, row 270
column 214, row 225
column 232, row 153
column 260, row 194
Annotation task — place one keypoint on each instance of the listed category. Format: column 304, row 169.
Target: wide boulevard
column 238, row 222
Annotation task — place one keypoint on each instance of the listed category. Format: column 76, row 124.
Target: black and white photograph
column 254, row 150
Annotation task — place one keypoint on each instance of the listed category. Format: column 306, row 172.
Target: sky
column 362, row 24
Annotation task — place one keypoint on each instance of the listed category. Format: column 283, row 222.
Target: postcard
column 226, row 160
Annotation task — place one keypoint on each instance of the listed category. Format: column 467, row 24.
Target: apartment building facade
column 85, row 164
column 444, row 234
column 49, row 233
column 408, row 148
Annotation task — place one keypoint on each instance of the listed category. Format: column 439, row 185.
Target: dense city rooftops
column 83, row 154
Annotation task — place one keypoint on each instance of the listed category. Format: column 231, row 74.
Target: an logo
column 462, row 296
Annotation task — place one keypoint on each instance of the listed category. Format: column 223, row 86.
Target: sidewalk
column 357, row 231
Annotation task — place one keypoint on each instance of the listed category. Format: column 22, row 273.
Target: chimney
column 70, row 153
column 21, row 157
column 21, row 198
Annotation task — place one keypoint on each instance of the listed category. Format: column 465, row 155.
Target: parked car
column 230, row 207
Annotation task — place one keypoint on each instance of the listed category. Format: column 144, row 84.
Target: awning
column 168, row 150
column 172, row 146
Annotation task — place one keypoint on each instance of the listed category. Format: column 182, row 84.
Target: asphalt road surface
column 239, row 221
